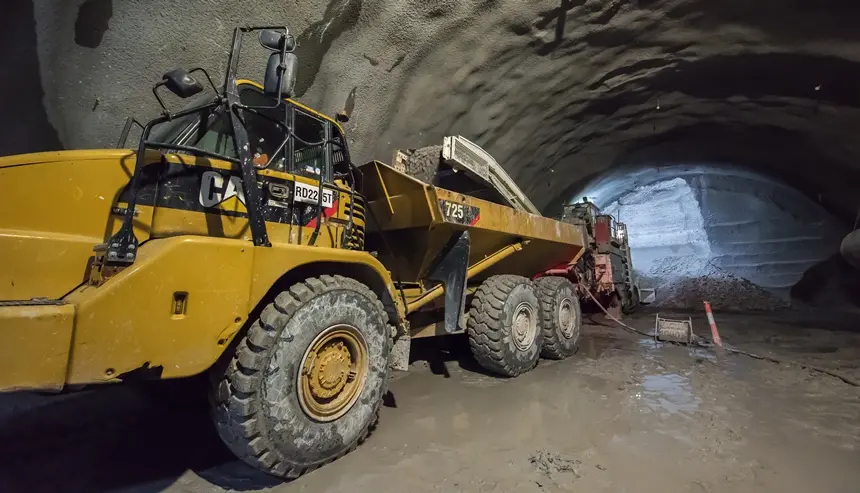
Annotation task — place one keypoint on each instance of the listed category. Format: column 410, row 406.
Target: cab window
column 264, row 135
column 309, row 144
column 217, row 138
column 339, row 162
column 213, row 132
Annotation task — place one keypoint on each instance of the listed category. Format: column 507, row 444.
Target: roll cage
column 240, row 114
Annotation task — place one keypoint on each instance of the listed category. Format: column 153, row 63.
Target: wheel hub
column 329, row 374
column 566, row 318
column 334, row 370
column 524, row 326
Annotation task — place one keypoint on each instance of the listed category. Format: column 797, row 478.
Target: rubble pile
column 723, row 290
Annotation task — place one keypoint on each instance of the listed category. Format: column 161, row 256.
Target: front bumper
column 35, row 343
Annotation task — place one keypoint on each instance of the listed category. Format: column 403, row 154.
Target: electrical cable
column 614, row 319
column 708, row 344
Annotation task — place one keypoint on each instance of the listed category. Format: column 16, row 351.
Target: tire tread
column 547, row 289
column 485, row 327
column 236, row 390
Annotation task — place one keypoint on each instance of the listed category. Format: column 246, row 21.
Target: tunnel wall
column 713, row 221
column 547, row 86
column 89, row 64
column 559, row 91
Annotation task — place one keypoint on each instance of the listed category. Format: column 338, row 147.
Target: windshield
column 170, row 132
column 211, row 130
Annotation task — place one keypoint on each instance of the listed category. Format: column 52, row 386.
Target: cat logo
column 214, row 189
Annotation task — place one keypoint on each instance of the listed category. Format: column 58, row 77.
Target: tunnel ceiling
column 558, row 91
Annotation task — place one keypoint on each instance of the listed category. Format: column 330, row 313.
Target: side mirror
column 181, row 83
column 280, row 79
column 276, row 40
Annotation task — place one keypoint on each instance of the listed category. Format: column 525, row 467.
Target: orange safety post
column 714, row 333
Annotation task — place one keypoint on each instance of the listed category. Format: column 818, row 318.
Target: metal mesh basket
column 669, row 330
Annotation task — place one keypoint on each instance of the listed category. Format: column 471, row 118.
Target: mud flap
column 449, row 268
column 400, row 353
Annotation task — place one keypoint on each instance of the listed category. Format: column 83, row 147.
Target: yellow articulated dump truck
column 239, row 240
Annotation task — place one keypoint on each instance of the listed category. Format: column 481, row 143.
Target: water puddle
column 653, row 350
column 669, row 392
column 595, row 346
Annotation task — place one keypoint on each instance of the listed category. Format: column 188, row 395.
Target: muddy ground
column 625, row 414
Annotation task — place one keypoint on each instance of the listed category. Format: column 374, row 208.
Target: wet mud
column 624, row 414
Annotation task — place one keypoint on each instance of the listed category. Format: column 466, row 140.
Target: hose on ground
column 708, row 344
column 848, row 380
column 614, row 319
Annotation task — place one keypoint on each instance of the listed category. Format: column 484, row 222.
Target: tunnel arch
column 559, row 91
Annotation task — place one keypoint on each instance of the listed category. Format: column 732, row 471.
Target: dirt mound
column 723, row 290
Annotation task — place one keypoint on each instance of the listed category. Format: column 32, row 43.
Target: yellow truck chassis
column 247, row 245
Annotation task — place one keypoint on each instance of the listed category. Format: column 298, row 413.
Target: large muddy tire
column 306, row 382
column 562, row 317
column 630, row 300
column 504, row 325
column 424, row 163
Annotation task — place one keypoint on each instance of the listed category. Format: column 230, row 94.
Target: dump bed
column 412, row 222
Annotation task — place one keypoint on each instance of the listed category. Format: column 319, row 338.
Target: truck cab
column 311, row 153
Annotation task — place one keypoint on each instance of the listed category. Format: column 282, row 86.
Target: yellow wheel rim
column 333, row 372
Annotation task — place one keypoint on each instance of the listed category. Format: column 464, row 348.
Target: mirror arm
column 196, row 109
column 211, row 84
column 155, row 92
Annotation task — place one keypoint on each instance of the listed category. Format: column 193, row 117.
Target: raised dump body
column 463, row 166
column 424, row 234
column 464, row 155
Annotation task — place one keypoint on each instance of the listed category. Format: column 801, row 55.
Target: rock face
column 686, row 221
column 559, row 91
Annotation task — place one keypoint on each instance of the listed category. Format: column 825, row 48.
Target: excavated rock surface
column 557, row 90
column 684, row 218
column 562, row 90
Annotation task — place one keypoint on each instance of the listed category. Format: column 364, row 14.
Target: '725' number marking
column 454, row 210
